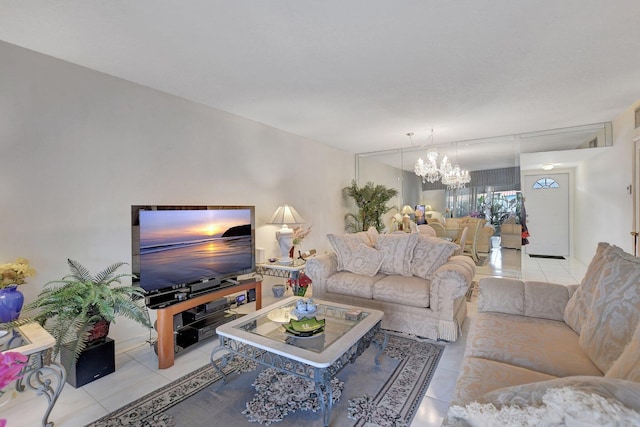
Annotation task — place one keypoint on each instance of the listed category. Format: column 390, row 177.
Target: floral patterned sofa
column 537, row 346
column 414, row 279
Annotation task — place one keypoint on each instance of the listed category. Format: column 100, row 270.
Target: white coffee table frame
column 319, row 367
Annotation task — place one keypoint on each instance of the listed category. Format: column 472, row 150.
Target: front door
column 547, row 207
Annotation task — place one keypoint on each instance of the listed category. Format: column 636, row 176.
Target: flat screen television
column 190, row 249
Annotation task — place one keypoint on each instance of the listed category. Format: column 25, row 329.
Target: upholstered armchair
column 483, row 245
column 511, row 235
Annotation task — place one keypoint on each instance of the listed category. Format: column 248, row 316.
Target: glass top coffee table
column 261, row 337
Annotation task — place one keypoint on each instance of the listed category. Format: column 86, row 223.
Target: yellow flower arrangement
column 15, row 273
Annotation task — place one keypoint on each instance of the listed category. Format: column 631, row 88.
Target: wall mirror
column 493, row 162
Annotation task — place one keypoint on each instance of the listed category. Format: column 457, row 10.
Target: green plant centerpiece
column 76, row 307
column 371, row 201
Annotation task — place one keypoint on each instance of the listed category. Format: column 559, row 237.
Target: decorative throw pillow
column 343, row 245
column 580, row 302
column 397, row 250
column 363, row 260
column 627, row 366
column 615, row 310
column 429, row 254
column 373, row 234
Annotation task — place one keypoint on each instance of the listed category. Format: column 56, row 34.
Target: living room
column 81, row 146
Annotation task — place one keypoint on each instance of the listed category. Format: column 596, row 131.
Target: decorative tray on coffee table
column 304, row 327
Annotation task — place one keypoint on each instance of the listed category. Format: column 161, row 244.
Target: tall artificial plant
column 371, row 200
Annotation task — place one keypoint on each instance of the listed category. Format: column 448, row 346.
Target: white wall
column 80, row 147
column 603, row 207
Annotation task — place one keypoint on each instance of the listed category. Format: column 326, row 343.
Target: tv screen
column 175, row 246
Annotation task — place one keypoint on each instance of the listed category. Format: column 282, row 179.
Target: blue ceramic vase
column 11, row 300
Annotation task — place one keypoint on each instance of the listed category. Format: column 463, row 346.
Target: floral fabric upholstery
column 522, row 334
column 479, row 376
column 628, row 364
column 345, row 282
column 545, row 300
column 501, row 296
column 397, row 250
column 532, row 299
column 432, row 309
column 615, row 309
column 580, row 302
column 429, row 254
column 345, row 244
column 542, row 345
column 412, row 291
column 363, row 260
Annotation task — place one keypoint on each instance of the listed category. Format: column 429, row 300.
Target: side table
column 281, row 270
column 291, row 271
column 33, row 341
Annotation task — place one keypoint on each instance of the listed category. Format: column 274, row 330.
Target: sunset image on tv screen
column 185, row 246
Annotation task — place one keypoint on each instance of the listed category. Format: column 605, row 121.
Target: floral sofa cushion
column 628, row 364
column 408, row 291
column 429, row 254
column 397, row 250
column 357, row 285
column 580, row 303
column 541, row 345
column 615, row 309
column 344, row 245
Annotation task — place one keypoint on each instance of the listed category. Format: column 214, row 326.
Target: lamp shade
column 406, row 210
column 286, row 215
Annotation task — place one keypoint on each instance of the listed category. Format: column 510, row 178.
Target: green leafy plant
column 371, row 201
column 70, row 308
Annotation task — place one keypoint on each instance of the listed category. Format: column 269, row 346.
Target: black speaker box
column 251, row 294
column 94, row 362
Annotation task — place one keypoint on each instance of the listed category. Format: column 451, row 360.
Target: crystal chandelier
column 451, row 176
column 428, row 170
column 454, row 177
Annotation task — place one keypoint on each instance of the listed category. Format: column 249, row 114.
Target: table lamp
column 406, row 211
column 285, row 215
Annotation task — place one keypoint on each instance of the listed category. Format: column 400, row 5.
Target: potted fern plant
column 78, row 309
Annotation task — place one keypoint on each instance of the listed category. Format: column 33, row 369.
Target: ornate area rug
column 365, row 394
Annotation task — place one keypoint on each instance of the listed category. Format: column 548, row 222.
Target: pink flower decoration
column 11, row 363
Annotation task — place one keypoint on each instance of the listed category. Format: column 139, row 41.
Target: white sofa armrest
column 450, row 281
column 531, row 299
column 319, row 269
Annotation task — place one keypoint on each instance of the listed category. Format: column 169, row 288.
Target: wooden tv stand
column 164, row 326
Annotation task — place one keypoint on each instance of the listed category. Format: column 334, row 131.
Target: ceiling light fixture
column 455, row 177
column 451, row 176
column 428, row 170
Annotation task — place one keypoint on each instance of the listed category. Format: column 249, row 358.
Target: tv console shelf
column 165, row 344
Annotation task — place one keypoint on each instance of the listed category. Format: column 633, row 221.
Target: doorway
column 547, row 205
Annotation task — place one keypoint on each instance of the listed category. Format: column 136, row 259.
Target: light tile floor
column 137, row 373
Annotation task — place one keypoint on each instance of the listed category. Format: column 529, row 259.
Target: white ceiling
column 359, row 75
